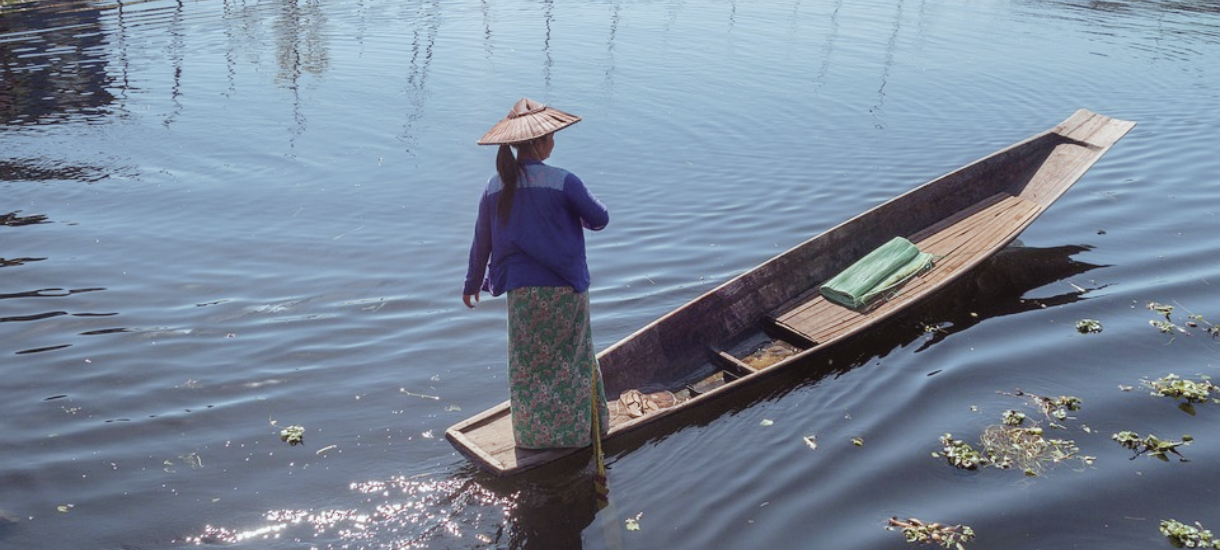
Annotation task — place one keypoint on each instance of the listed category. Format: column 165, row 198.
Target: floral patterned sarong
column 550, row 366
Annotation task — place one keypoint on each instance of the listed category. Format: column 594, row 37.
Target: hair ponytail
column 509, row 170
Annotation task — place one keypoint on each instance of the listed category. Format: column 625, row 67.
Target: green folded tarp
column 877, row 273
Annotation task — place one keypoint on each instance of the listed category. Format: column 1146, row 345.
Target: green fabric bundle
column 877, row 273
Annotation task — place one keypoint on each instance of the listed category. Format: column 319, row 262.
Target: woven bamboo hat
column 528, row 120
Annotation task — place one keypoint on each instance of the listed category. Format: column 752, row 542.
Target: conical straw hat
column 528, row 120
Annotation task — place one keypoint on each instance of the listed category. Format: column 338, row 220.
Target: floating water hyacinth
column 959, row 453
column 1151, row 445
column 293, row 435
column 1177, row 387
column 1018, row 442
column 1088, row 326
column 1193, row 321
column 946, row 536
column 1160, row 308
column 1187, row 536
column 1053, row 407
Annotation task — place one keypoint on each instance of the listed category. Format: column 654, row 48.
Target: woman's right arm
column 480, row 252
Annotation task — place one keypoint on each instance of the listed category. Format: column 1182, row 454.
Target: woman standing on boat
column 529, row 242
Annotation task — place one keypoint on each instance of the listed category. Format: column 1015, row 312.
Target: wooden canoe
column 773, row 315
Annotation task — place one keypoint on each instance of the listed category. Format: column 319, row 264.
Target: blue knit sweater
column 543, row 243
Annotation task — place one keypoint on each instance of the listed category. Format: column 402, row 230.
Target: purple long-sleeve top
column 543, row 243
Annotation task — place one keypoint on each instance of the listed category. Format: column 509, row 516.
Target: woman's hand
column 466, row 299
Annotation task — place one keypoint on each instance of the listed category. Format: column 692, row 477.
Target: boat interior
column 1028, row 176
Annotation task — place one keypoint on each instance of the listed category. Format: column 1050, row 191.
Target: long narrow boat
column 775, row 315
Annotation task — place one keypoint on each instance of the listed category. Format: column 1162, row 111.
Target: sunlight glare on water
column 419, row 514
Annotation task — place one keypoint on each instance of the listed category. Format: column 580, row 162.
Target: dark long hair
column 510, row 170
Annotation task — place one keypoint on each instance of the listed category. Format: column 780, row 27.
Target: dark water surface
column 219, row 215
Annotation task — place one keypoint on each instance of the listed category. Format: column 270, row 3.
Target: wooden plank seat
column 961, row 241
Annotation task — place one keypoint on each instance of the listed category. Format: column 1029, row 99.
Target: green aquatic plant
column 1193, row 321
column 1161, row 308
column 959, row 453
column 1052, row 407
column 1088, row 326
column 1027, row 449
column 946, row 536
column 1187, row 536
column 1190, row 391
column 1165, row 327
column 1018, row 442
column 293, row 435
column 1151, row 445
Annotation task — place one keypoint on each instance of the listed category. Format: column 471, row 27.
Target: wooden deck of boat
column 489, row 435
column 960, row 242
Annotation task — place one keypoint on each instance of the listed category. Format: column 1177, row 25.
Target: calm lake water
column 224, row 217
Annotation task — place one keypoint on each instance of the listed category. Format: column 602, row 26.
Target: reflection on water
column 44, row 169
column 1164, row 28
column 301, row 49
column 423, row 41
column 15, row 219
column 61, row 61
column 277, row 198
column 52, row 65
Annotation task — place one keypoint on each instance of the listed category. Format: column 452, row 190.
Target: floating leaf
column 65, row 508
column 1017, row 443
column 1161, row 308
column 1151, row 445
column 857, row 441
column 1013, row 418
column 1165, row 326
column 1088, row 326
column 293, row 435
column 959, row 453
column 1176, row 387
column 633, row 524
column 1187, row 536
column 945, row 536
